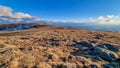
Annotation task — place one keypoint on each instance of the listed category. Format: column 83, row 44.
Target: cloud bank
column 108, row 19
column 7, row 16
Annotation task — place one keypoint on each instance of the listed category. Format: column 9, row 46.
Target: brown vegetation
column 50, row 47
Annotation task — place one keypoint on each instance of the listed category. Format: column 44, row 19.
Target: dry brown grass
column 44, row 65
column 49, row 47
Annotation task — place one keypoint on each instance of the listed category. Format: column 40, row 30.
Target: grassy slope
column 35, row 47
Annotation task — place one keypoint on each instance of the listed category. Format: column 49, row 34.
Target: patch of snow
column 20, row 27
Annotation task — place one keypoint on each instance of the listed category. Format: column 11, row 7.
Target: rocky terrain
column 46, row 46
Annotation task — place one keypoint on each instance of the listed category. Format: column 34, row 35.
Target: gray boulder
column 108, row 47
column 105, row 54
column 84, row 44
column 113, row 64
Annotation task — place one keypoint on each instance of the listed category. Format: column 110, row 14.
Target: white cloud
column 5, row 11
column 21, row 15
column 6, row 15
column 108, row 19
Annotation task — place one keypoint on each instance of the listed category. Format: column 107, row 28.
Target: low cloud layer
column 108, row 19
column 7, row 16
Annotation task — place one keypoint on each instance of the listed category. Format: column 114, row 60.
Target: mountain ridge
column 47, row 46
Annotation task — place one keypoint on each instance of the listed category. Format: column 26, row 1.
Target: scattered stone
column 105, row 54
column 98, row 36
column 108, row 47
column 67, row 65
column 113, row 64
column 107, row 66
column 93, row 42
column 83, row 44
column 53, row 40
column 93, row 66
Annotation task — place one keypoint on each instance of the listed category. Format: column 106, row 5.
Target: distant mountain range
column 87, row 26
column 13, row 27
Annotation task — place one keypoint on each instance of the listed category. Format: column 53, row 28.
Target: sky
column 102, row 11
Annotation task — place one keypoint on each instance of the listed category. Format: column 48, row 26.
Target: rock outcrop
column 106, row 52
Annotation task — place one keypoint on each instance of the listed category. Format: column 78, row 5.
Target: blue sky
column 70, row 10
